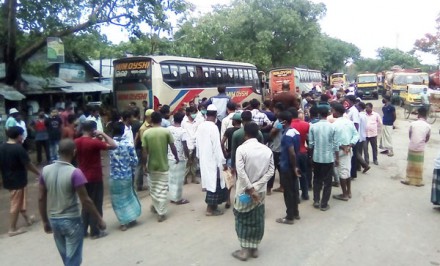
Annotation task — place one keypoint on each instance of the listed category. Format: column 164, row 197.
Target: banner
column 72, row 73
column 55, row 50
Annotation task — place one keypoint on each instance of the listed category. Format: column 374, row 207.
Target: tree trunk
column 13, row 67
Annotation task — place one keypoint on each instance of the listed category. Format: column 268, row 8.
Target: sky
column 368, row 24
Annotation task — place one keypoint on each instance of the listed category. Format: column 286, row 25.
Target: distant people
column 96, row 117
column 220, row 101
column 12, row 119
column 69, row 131
column 64, row 115
column 155, row 143
column 123, row 162
column 419, row 134
column 266, row 108
column 323, row 102
column 177, row 169
column 259, row 117
column 144, row 106
column 275, row 145
column 41, row 137
column 389, row 116
column 22, row 124
column 212, row 161
column 54, row 128
column 255, row 167
column 140, row 175
column 374, row 124
column 362, row 138
column 165, row 112
column 88, row 155
column 61, row 184
column 231, row 109
column 286, row 97
column 289, row 172
column 127, row 119
column 132, row 105
column 424, row 96
column 14, row 164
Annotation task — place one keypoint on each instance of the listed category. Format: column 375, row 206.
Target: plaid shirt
column 260, row 118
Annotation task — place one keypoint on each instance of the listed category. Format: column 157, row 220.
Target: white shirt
column 362, row 126
column 98, row 122
column 128, row 135
column 180, row 136
column 419, row 130
column 353, row 114
column 22, row 124
column 255, row 166
column 260, row 118
column 226, row 123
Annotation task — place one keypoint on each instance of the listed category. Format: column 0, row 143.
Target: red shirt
column 88, row 155
column 303, row 128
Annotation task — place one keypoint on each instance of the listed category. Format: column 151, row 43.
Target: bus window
column 240, row 76
column 219, row 76
column 166, row 74
column 175, row 79
column 225, row 76
column 206, row 77
column 183, row 76
column 192, row 77
column 213, row 76
column 236, row 78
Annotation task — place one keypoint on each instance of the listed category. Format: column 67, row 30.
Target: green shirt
column 237, row 140
column 156, row 141
column 10, row 122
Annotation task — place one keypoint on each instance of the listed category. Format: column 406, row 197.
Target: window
column 183, row 76
column 246, row 75
column 236, row 78
column 192, row 76
column 240, row 76
column 170, row 74
column 225, row 76
column 166, row 74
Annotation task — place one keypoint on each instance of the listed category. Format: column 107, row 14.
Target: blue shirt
column 388, row 114
column 322, row 140
column 289, row 139
column 345, row 132
column 123, row 159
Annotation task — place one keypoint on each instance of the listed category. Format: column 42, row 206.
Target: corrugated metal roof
column 10, row 93
column 85, row 87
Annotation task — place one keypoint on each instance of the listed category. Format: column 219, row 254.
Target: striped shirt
column 345, row 132
column 322, row 140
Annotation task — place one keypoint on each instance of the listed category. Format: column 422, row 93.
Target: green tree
column 27, row 23
column 335, row 54
column 431, row 42
column 386, row 59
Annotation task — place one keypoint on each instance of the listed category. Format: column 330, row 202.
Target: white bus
column 176, row 81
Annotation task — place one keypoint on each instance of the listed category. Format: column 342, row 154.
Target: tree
column 431, row 42
column 335, row 54
column 26, row 24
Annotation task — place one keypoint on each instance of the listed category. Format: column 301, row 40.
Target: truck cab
column 367, row 86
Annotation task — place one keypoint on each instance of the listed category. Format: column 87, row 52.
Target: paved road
column 386, row 223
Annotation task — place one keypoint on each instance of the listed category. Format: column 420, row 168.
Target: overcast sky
column 368, row 24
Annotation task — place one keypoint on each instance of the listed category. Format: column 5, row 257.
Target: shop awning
column 86, row 87
column 10, row 93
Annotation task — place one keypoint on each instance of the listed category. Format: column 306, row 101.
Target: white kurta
column 210, row 155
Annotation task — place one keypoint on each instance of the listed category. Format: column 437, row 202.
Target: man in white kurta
column 211, row 159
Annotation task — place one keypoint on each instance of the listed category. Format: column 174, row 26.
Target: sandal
column 366, row 169
column 180, row 202
column 340, row 197
column 228, row 205
column 240, row 256
column 214, row 213
column 31, row 220
column 19, row 231
column 123, row 227
column 405, row 182
column 280, row 189
column 100, row 235
column 284, row 221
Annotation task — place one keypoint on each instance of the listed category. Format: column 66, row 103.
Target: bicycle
column 409, row 109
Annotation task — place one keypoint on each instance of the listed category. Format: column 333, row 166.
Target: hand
column 102, row 225
column 336, row 163
column 225, row 167
column 233, row 172
column 297, row 171
column 255, row 197
column 346, row 149
column 98, row 133
column 47, row 228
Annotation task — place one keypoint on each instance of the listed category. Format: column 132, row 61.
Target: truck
column 397, row 81
column 367, row 86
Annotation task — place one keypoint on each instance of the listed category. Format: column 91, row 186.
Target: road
column 385, row 223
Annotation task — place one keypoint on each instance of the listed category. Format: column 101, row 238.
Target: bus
column 176, row 81
column 338, row 80
column 301, row 80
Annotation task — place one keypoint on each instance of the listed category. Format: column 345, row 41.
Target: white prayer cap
column 13, row 111
column 211, row 107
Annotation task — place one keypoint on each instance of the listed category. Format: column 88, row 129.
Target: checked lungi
column 158, row 184
column 414, row 168
column 217, row 197
column 249, row 226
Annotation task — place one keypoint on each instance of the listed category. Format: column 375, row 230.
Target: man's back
column 420, row 130
column 322, row 140
column 156, row 141
column 303, row 128
column 287, row 98
column 60, row 180
column 13, row 161
column 255, row 157
column 88, row 151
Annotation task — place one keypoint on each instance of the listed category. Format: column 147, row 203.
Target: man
column 127, row 119
column 144, row 106
column 69, row 127
column 419, row 134
column 374, row 123
column 65, row 114
column 177, row 169
column 141, row 184
column 424, row 96
column 231, row 108
column 346, row 138
column 54, row 128
column 286, row 97
column 275, row 145
column 165, row 112
column 12, row 119
column 254, row 169
column 22, row 124
column 322, row 142
column 211, row 159
column 362, row 137
column 155, row 142
column 259, row 117
column 353, row 115
column 41, row 136
column 266, row 109
column 220, row 101
column 389, row 116
column 14, row 164
column 190, row 124
column 88, row 155
column 60, row 186
column 302, row 159
column 324, row 102
column 96, row 117
column 288, row 170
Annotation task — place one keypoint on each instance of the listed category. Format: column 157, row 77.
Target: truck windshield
column 367, row 79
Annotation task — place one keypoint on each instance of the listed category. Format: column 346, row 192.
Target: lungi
column 435, row 192
column 158, row 183
column 250, row 226
column 217, row 197
column 344, row 166
column 176, row 179
column 18, row 198
column 124, row 200
column 414, row 168
column 386, row 140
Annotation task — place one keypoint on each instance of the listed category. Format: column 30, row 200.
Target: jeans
column 68, row 235
column 40, row 144
column 373, row 142
column 303, row 179
column 276, row 162
column 289, row 181
column 96, row 194
column 323, row 177
column 53, row 145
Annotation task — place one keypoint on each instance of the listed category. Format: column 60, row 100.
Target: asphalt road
column 385, row 223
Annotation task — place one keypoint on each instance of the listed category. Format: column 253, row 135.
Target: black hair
column 294, row 112
column 211, row 113
column 285, row 116
column 231, row 106
column 118, row 129
column 323, row 111
column 190, row 109
column 423, row 111
column 314, row 111
column 351, row 98
column 324, row 98
column 279, row 106
column 362, row 105
column 126, row 115
column 221, row 89
column 255, row 104
column 14, row 132
column 178, row 117
column 246, row 116
column 369, row 105
column 156, row 118
column 165, row 109
column 89, row 126
column 136, row 112
column 251, row 130
column 339, row 108
column 267, row 103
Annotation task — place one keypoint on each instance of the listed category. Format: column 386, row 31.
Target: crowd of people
column 315, row 144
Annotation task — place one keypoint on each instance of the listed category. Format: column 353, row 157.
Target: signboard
column 72, row 73
column 55, row 50
column 124, row 98
column 132, row 69
column 282, row 73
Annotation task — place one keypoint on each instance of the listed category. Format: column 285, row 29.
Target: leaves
column 430, row 43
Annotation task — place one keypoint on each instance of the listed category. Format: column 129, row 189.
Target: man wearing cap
column 211, row 162
column 12, row 119
column 139, row 173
